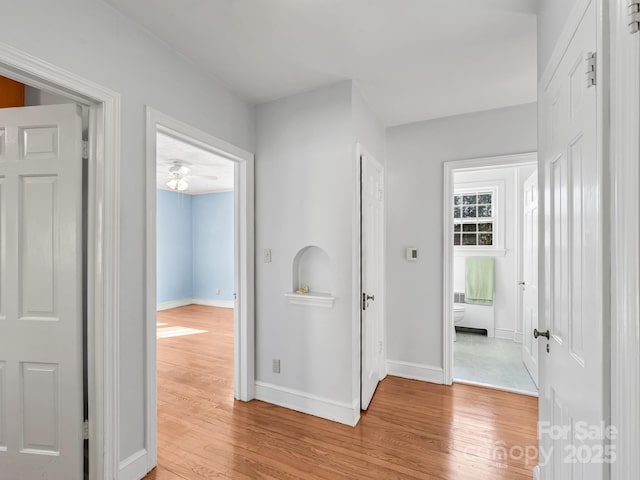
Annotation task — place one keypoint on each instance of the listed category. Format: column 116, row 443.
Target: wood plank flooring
column 413, row 430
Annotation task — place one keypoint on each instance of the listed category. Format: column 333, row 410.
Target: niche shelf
column 311, row 269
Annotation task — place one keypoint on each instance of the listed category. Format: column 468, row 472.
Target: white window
column 473, row 219
column 478, row 218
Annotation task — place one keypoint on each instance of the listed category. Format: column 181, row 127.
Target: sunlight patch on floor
column 167, row 332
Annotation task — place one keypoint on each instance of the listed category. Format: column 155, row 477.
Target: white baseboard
column 209, row 302
column 134, row 467
column 504, row 333
column 415, row 371
column 308, row 403
column 196, row 301
column 183, row 302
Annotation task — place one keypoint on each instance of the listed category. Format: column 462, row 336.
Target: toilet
column 458, row 315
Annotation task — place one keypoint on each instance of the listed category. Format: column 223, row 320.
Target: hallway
column 412, row 430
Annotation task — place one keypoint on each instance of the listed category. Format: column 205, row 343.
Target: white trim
column 415, row 371
column 244, row 324
column 495, row 387
column 573, row 22
column 536, row 473
column 168, row 305
column 135, row 466
column 324, row 300
column 504, row 334
column 183, row 302
column 212, row 302
column 103, row 247
column 348, row 414
column 450, row 167
column 625, row 237
column 356, row 292
column 479, row 252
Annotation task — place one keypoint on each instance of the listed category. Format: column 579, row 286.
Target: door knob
column 522, row 283
column 537, row 333
column 371, row 297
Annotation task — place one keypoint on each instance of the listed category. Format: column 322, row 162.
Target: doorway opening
column 491, row 245
column 87, row 370
column 200, row 273
column 195, row 284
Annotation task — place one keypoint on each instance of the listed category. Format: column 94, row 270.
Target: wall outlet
column 217, row 291
column 276, row 365
column 267, row 255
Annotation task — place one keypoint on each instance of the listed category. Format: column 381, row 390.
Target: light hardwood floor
column 412, row 430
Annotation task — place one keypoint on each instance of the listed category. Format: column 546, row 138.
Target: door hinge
column 634, row 16
column 591, row 69
column 380, row 346
column 85, row 429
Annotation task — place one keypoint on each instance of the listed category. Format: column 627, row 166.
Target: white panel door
column 572, row 391
column 372, row 283
column 41, row 293
column 529, row 282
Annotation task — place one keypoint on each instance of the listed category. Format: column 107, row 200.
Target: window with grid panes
column 473, row 219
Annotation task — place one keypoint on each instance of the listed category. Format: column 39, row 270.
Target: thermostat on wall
column 412, row 254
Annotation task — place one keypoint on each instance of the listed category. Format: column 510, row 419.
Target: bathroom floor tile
column 491, row 361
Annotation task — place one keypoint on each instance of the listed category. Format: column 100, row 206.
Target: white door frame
column 625, row 237
column 244, row 327
column 450, row 167
column 103, row 245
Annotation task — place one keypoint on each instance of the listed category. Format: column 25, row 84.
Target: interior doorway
column 193, row 177
column 485, row 259
column 97, row 269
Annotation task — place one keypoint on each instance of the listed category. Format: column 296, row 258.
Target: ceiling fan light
column 182, row 185
column 173, row 184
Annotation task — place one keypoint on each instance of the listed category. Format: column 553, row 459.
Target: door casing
column 448, row 254
column 244, row 342
column 103, row 245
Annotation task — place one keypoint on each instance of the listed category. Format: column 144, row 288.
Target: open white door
column 572, row 390
column 529, row 283
column 372, row 281
column 41, row 388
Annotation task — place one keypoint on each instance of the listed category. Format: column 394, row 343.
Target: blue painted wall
column 174, row 251
column 195, row 246
column 212, row 217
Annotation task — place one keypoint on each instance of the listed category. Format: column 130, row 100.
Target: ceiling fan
column 179, row 172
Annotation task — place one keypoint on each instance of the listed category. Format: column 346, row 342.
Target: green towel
column 479, row 281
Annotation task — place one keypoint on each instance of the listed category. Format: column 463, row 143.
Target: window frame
column 496, row 188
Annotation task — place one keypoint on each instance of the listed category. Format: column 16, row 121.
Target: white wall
column 305, row 178
column 305, row 195
column 91, row 39
column 415, row 154
column 552, row 15
column 506, row 306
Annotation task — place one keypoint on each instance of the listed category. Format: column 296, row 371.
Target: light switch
column 412, row 254
column 267, row 255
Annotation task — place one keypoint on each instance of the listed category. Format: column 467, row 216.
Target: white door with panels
column 529, row 283
column 571, row 340
column 372, row 221
column 41, row 386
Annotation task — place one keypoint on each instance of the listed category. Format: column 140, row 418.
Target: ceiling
column 203, row 166
column 413, row 59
